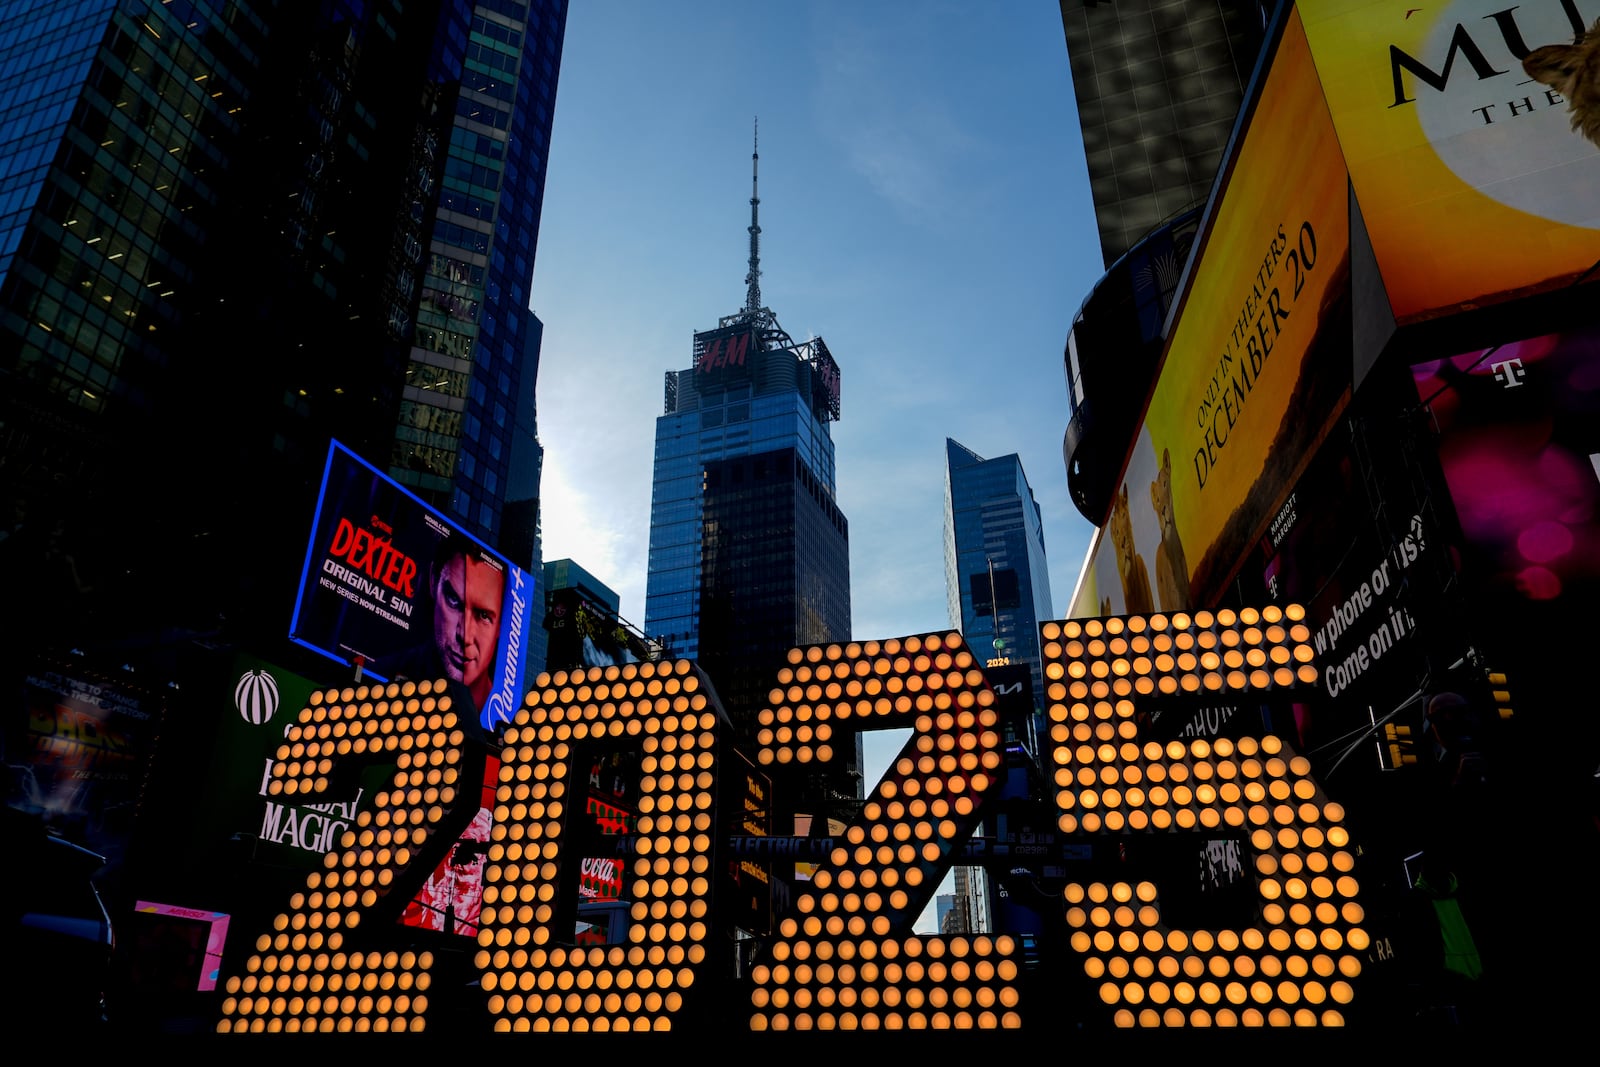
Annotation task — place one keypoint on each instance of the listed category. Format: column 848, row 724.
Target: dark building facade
column 229, row 233
column 465, row 410
column 233, row 232
column 1158, row 84
column 773, row 549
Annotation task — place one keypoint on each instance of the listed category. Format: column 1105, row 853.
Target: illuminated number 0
column 534, row 980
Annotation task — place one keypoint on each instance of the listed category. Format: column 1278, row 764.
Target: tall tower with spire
column 752, row 280
column 749, row 551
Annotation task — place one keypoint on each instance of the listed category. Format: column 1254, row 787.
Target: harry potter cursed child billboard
column 1471, row 130
column 1263, row 332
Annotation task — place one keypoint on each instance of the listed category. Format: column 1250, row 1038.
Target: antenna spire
column 752, row 280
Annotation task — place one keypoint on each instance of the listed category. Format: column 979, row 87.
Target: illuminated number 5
column 315, row 971
column 1294, row 966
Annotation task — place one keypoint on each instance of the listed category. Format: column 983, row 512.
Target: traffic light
column 1501, row 693
column 1398, row 747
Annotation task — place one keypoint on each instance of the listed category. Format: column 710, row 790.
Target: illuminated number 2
column 1293, row 967
column 310, row 972
column 847, row 962
column 535, row 982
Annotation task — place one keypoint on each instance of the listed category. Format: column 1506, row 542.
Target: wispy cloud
column 890, row 119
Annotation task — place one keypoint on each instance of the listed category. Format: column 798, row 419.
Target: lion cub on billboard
column 1172, row 568
column 1573, row 70
column 1136, row 599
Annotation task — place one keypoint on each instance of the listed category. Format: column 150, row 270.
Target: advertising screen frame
column 726, row 354
column 1262, row 329
column 1476, row 184
column 390, row 557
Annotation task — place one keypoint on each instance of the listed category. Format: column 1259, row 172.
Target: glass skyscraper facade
column 998, row 586
column 463, row 388
column 230, row 231
column 749, row 553
column 708, row 422
column 996, row 576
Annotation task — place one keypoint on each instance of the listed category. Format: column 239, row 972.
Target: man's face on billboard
column 466, row 617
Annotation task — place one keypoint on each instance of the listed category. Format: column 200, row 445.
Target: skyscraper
column 996, row 577
column 749, row 552
column 998, row 586
column 466, row 409
column 227, row 236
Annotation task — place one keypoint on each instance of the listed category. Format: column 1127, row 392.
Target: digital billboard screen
column 1256, row 370
column 78, row 758
column 252, row 702
column 1471, row 156
column 1519, row 444
column 725, row 353
column 390, row 584
column 451, row 900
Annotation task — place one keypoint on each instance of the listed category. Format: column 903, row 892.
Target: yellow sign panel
column 1465, row 138
column 1263, row 331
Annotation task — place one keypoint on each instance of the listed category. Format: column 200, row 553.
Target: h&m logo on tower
column 722, row 350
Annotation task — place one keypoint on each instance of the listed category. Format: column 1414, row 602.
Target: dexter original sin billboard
column 1257, row 364
column 1471, row 130
column 390, row 584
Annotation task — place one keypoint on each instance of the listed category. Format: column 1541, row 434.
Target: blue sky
column 924, row 208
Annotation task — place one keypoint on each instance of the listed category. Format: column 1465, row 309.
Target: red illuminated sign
column 722, row 350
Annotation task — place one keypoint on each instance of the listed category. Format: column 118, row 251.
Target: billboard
column 1519, row 443
column 583, row 634
column 80, row 762
column 1465, row 146
column 1263, row 330
column 750, row 881
column 451, row 899
column 1361, row 543
column 390, row 585
column 824, row 378
column 175, row 947
column 611, row 794
column 725, row 353
column 255, row 702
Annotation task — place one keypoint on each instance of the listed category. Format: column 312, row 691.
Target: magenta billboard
column 390, row 585
column 1519, row 444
